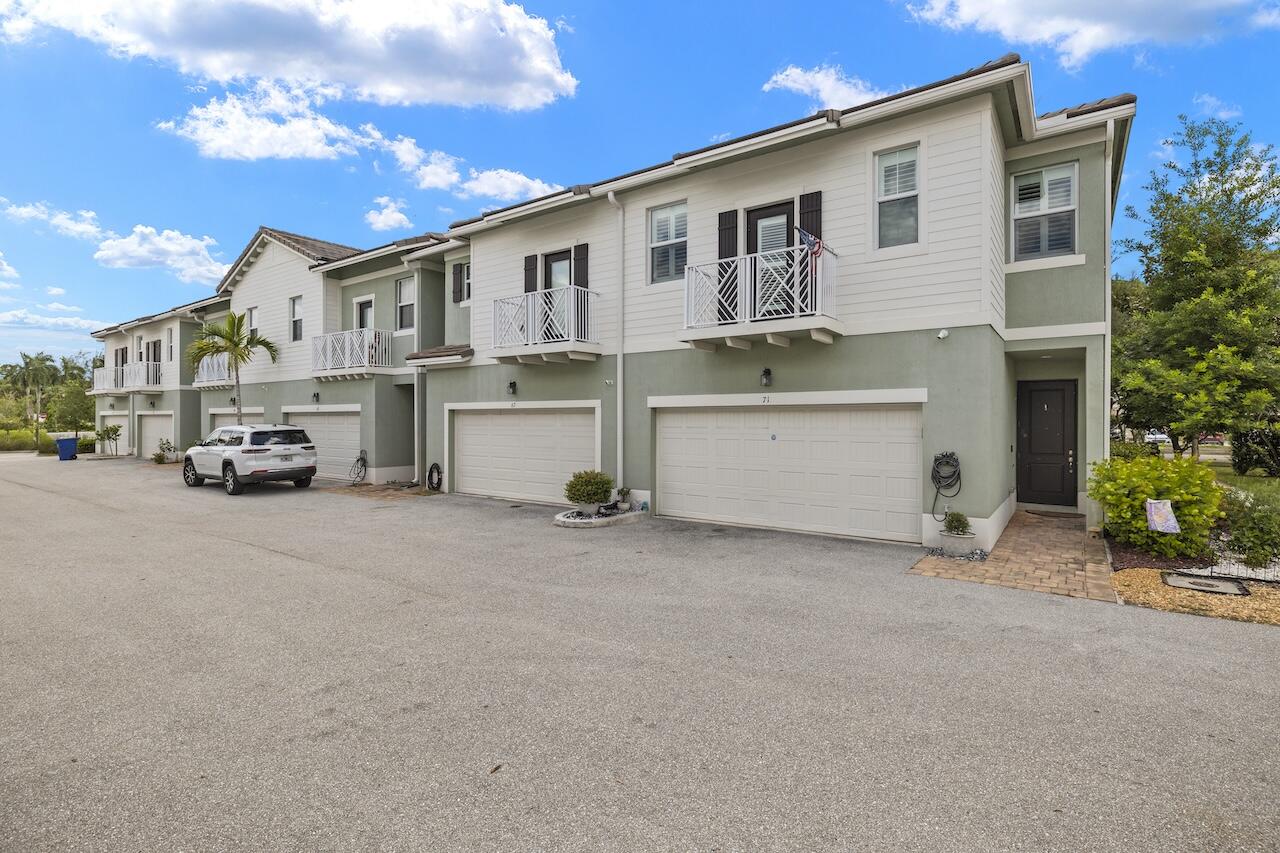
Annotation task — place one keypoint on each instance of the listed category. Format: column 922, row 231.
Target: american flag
column 812, row 243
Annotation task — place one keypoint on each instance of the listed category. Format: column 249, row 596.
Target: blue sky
column 142, row 144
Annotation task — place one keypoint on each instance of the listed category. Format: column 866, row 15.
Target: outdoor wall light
column 511, row 387
column 944, row 334
column 151, row 403
column 766, row 377
column 232, row 401
column 111, row 405
column 315, row 397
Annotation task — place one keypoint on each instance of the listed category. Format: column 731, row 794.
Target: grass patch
column 1144, row 588
column 1258, row 484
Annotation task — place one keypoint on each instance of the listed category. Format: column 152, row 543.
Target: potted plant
column 957, row 535
column 589, row 489
column 624, row 499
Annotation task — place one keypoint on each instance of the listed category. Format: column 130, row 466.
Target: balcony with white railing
column 213, row 372
column 773, row 295
column 553, row 325
column 351, row 354
column 144, row 376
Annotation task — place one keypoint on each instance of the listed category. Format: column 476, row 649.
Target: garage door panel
column 336, row 436
column 522, row 454
column 839, row 469
column 123, row 443
column 151, row 430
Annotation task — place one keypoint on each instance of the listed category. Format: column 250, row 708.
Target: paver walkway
column 1037, row 552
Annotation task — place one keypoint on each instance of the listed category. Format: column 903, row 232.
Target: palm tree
column 33, row 374
column 232, row 338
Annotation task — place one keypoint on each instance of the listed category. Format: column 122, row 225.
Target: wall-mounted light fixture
column 766, row 377
column 511, row 387
column 111, row 405
column 151, row 403
column 315, row 397
column 943, row 334
column 232, row 401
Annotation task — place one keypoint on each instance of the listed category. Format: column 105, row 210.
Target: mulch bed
column 1145, row 588
column 1128, row 557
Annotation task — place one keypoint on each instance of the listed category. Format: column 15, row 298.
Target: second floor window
column 404, row 303
column 668, row 248
column 466, row 282
column 251, row 320
column 897, row 198
column 295, row 318
column 1044, row 213
column 121, row 357
column 168, row 344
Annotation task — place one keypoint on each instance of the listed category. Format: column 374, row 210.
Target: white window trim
column 465, row 302
column 1050, row 263
column 373, row 310
column 886, row 145
column 1013, row 216
column 413, row 288
column 250, row 318
column 296, row 301
column 649, row 245
column 168, row 344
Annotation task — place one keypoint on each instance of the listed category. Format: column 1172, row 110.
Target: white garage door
column 216, row 421
column 521, row 453
column 852, row 470
column 337, row 439
column 122, row 444
column 152, row 428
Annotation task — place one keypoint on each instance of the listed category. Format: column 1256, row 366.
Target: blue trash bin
column 66, row 448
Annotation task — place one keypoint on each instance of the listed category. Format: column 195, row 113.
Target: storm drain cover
column 1219, row 585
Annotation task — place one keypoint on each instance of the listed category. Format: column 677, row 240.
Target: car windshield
column 279, row 436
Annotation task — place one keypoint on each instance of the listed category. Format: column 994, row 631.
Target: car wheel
column 303, row 483
column 189, row 475
column 230, row 481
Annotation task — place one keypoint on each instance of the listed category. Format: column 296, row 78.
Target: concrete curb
column 563, row 519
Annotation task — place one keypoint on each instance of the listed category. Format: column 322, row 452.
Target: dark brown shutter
column 530, row 273
column 729, row 234
column 457, row 282
column 811, row 213
column 580, row 265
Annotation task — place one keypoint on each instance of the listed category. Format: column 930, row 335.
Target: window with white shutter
column 1043, row 207
column 897, row 197
column 668, row 249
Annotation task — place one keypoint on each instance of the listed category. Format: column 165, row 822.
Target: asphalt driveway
column 314, row 670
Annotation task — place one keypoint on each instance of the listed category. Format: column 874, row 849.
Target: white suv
column 254, row 453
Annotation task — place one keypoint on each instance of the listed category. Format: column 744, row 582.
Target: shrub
column 16, row 439
column 47, row 444
column 589, row 487
column 1254, row 522
column 1258, row 448
column 1133, row 449
column 956, row 523
column 1123, row 487
column 86, row 444
column 164, row 453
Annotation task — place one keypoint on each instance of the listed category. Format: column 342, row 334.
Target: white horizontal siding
column 994, row 192
column 270, row 281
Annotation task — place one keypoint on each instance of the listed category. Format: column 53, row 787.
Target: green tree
column 33, row 374
column 233, row 339
column 70, row 406
column 1200, row 349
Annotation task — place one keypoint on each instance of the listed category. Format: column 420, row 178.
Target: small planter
column 624, row 506
column 957, row 544
column 589, row 509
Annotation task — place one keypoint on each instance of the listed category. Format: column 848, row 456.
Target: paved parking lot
column 313, row 670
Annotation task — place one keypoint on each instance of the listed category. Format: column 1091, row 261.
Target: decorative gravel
column 1145, row 588
column 975, row 556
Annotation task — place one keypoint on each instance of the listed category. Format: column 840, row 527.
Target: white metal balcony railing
column 352, row 349
column 556, row 315
column 213, row 370
column 140, row 374
column 774, row 285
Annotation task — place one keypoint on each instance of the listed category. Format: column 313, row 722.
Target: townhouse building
column 781, row 330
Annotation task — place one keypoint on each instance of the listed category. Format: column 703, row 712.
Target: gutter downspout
column 622, row 289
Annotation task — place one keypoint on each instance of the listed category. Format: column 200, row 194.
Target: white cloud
column 458, row 52
column 720, row 137
column 1211, row 105
column 7, row 285
column 388, row 216
column 55, row 291
column 83, row 224
column 58, row 306
column 1077, row 30
column 504, row 185
column 23, row 317
column 1165, row 152
column 185, row 256
column 445, row 211
column 6, row 268
column 827, row 85
column 563, row 25
column 267, row 122
column 1266, row 17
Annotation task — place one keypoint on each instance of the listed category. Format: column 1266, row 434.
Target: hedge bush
column 1253, row 520
column 86, row 444
column 589, row 487
column 1259, row 448
column 1123, row 487
column 1133, row 449
column 17, row 439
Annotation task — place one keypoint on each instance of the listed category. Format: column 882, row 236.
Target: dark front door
column 1047, row 442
